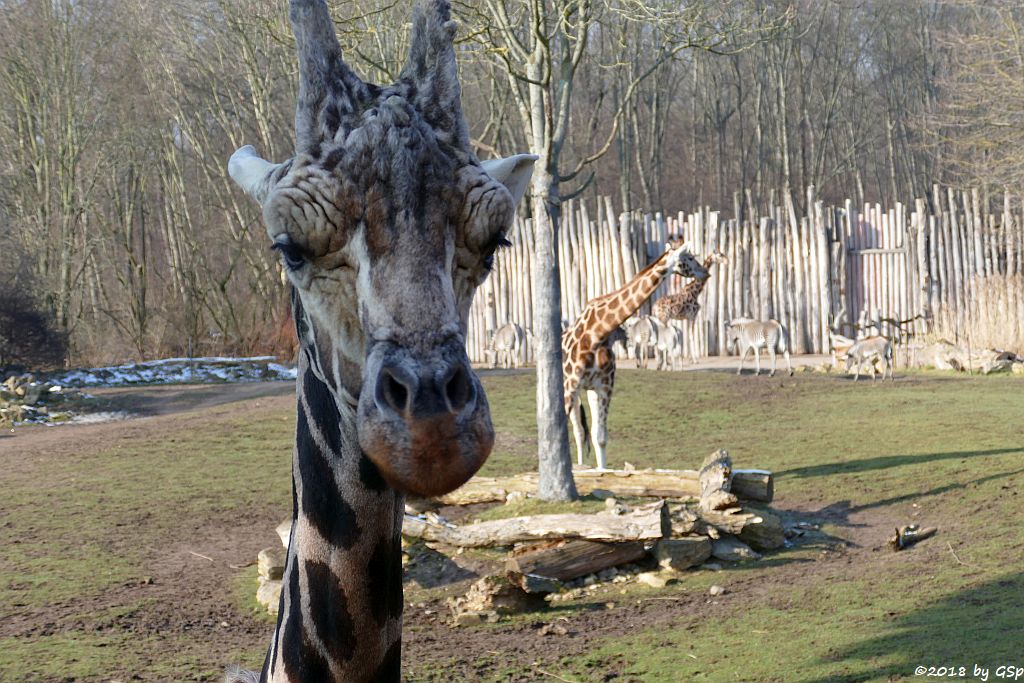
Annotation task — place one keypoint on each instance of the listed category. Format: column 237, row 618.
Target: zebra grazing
column 508, row 344
column 870, row 349
column 757, row 335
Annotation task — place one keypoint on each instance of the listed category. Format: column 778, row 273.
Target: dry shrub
column 28, row 336
column 993, row 317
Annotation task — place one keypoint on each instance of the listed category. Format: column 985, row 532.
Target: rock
column 531, row 583
column 682, row 553
column 731, row 549
column 496, row 594
column 712, row 566
column 270, row 563
column 269, row 595
column 554, row 629
column 994, row 367
column 716, row 591
column 655, row 579
column 468, row 619
column 768, row 534
column 602, row 494
column 1018, row 368
column 284, row 530
column 515, row 497
column 33, row 392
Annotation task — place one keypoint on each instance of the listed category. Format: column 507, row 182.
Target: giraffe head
column 682, row 262
column 386, row 224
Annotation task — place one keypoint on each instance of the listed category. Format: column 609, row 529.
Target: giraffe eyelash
column 292, row 254
column 501, row 242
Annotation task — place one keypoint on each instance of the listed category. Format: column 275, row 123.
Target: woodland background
column 121, row 236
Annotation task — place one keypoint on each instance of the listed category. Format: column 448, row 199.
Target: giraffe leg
column 599, row 401
column 578, row 435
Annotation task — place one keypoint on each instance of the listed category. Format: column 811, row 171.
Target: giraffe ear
column 513, row 172
column 254, row 175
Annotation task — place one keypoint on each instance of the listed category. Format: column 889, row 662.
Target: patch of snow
column 180, row 371
column 96, row 418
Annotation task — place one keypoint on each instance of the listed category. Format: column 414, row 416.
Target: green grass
column 929, row 446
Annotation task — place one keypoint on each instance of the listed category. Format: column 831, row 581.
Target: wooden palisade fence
column 845, row 268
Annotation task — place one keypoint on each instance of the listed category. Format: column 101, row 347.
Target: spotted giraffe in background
column 685, row 304
column 386, row 224
column 587, row 359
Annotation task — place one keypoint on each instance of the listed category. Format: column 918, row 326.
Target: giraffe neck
column 619, row 305
column 340, row 615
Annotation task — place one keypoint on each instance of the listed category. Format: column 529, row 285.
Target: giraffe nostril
column 392, row 391
column 458, row 390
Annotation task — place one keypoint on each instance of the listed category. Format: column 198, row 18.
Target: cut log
column 575, row 559
column 909, row 535
column 753, row 485
column 645, row 522
column 683, row 553
column 715, row 478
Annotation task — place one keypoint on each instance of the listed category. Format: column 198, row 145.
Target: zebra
column 643, row 335
column 669, row 344
column 755, row 334
column 870, row 349
column 508, row 344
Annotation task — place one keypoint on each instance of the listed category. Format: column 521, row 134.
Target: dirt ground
column 186, row 593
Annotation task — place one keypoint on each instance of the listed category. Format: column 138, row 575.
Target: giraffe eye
column 291, row 253
column 498, row 243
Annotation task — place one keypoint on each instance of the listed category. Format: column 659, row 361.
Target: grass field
column 123, row 544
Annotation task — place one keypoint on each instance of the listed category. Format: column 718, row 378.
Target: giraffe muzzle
column 425, row 423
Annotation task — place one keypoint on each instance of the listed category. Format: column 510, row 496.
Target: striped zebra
column 755, row 334
column 508, row 346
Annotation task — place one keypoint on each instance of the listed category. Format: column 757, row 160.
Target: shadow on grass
column 838, row 513
column 978, row 626
column 886, row 462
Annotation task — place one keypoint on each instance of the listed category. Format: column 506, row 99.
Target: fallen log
column 645, row 522
column 574, row 559
column 753, row 485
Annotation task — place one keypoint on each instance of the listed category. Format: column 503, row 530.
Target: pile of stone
column 945, row 355
column 270, row 570
column 24, row 400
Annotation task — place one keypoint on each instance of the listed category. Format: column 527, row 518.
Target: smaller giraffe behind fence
column 507, row 347
column 755, row 335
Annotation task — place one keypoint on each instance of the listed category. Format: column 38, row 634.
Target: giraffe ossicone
column 386, row 224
